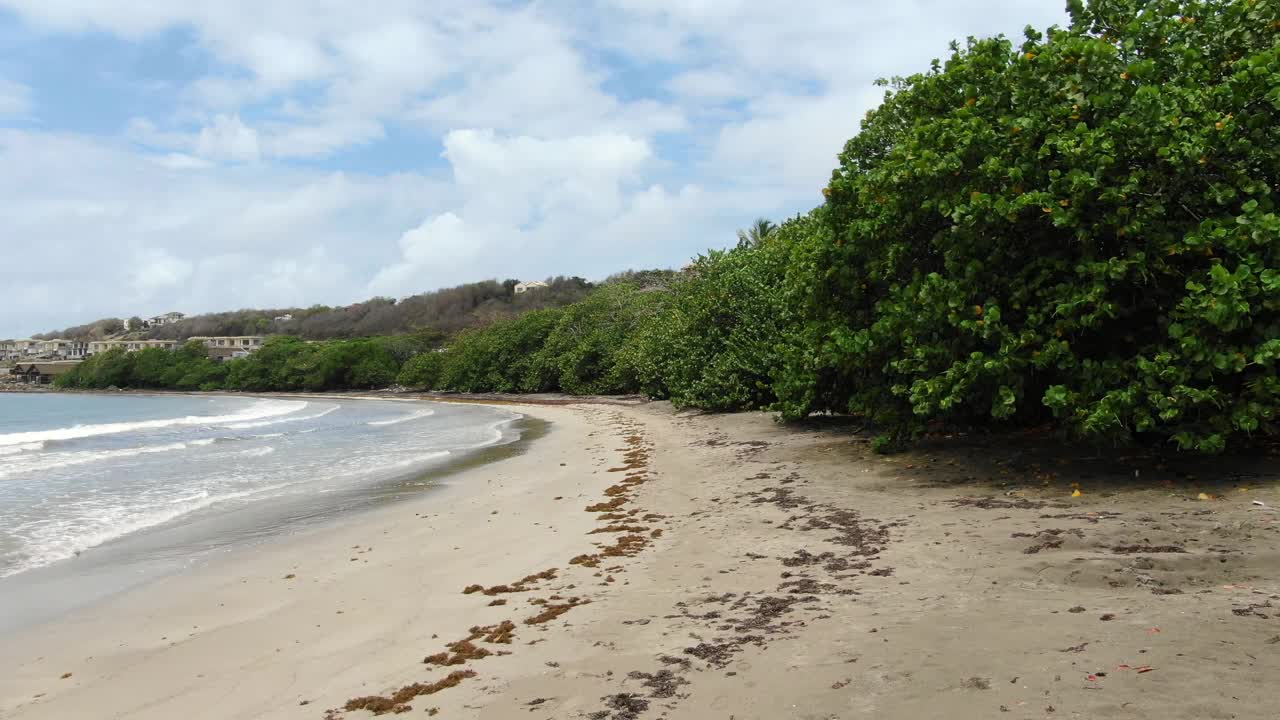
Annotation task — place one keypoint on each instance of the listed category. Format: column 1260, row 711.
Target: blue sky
column 200, row 156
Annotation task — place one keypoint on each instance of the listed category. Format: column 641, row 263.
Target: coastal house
column 15, row 350
column 42, row 373
column 60, row 349
column 101, row 346
column 231, row 346
column 527, row 285
column 242, row 342
column 166, row 319
column 283, row 318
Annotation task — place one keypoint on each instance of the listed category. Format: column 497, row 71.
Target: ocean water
column 97, row 483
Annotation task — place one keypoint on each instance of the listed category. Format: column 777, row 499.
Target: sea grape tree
column 1080, row 226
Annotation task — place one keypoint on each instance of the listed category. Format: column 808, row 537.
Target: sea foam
column 262, row 409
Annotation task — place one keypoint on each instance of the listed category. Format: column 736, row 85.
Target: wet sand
column 637, row 562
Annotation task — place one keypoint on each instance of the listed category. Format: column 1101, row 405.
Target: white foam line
column 261, row 409
column 54, row 544
column 248, row 425
column 404, row 418
column 16, row 449
column 60, row 460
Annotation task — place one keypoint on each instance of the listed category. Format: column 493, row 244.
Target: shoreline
column 639, row 563
column 136, row 608
column 132, row 562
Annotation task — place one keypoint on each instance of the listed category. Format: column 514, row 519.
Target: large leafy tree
column 1081, row 226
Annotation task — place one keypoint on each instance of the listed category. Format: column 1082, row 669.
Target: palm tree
column 756, row 234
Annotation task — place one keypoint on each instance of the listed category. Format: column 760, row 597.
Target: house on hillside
column 161, row 320
column 226, row 347
column 283, row 318
column 101, row 346
column 19, row 350
column 527, row 285
column 60, row 349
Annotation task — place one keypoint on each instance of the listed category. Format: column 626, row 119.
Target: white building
column 231, row 346
column 527, row 285
column 13, row 350
column 101, row 346
column 283, row 318
column 59, row 349
column 165, row 319
column 244, row 342
column 56, row 349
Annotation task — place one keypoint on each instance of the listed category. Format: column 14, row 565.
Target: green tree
column 422, row 371
column 582, row 354
column 1082, row 226
column 718, row 341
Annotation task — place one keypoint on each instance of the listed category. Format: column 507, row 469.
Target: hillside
column 443, row 312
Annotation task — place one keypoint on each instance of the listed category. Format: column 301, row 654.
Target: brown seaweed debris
column 520, row 586
column 465, row 650
column 1135, row 549
column 381, row 705
column 625, row 546
column 459, row 652
column 551, row 611
column 499, row 634
column 619, row 528
column 662, row 684
column 624, row 706
column 586, row 561
column 609, row 506
column 499, row 601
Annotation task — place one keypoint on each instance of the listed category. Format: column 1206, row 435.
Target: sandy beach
column 638, row 562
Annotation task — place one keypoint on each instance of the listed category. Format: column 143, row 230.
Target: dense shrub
column 1080, row 227
column 718, row 341
column 499, row 357
column 582, row 354
column 422, row 371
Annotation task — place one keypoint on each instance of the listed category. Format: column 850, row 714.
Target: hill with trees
column 443, row 312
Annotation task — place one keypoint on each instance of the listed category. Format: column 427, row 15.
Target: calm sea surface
column 92, row 481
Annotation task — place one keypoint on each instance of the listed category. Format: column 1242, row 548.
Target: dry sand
column 738, row 569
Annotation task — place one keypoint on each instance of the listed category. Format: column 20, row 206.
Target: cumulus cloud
column 108, row 231
column 228, row 139
column 156, row 269
column 523, row 201
column 321, row 151
column 429, row 251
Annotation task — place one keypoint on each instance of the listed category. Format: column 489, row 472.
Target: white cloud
column 581, row 138
column 180, row 161
column 156, row 269
column 430, row 251
column 15, row 98
column 710, row 85
column 110, row 231
column 228, row 139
